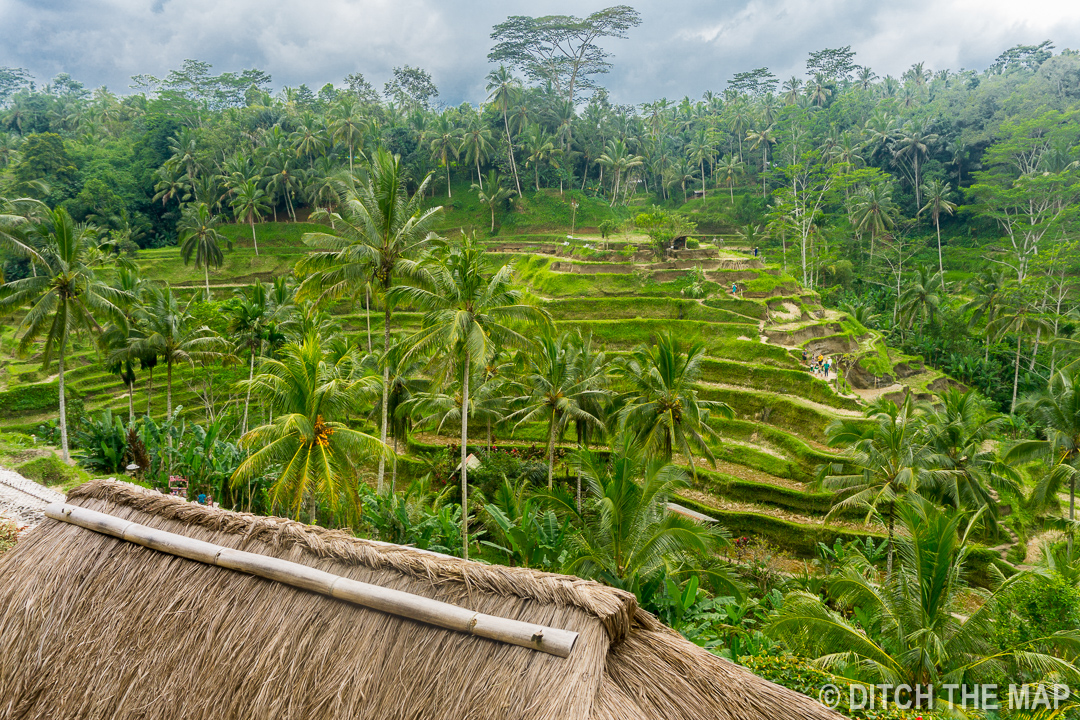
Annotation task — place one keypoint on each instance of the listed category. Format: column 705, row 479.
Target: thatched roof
column 92, row 626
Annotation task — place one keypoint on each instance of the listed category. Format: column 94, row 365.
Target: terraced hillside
column 762, row 483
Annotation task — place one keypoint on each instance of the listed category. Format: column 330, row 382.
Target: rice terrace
column 528, row 392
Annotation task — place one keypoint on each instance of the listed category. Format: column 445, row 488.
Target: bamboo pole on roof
column 554, row 641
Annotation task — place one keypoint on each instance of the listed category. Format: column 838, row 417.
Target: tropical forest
column 796, row 362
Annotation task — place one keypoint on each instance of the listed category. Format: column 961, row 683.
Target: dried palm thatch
column 96, row 627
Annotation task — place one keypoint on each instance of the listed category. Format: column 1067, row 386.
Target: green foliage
column 102, row 441
column 30, row 399
column 48, row 470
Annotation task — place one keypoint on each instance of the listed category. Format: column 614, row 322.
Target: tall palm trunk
column 551, row 449
column 1016, row 372
column 367, row 315
column 464, row 465
column 393, row 472
column 449, row 194
column 254, row 239
column 149, row 391
column 385, row 391
column 940, row 266
column 131, row 402
column 206, row 274
column 892, row 519
column 65, row 452
column 247, row 399
column 510, row 150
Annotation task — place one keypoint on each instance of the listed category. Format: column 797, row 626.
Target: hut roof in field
column 93, row 626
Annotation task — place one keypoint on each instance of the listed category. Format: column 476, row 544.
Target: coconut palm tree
column 1056, row 410
column 913, row 144
column 199, row 236
column 494, row 194
column 701, row 149
column 555, row 392
column 874, row 209
column 168, row 331
column 661, row 408
column 921, row 297
column 937, row 201
column 313, row 450
column 476, row 142
column 249, row 204
column 348, row 127
column 762, row 138
column 445, row 143
column 886, row 463
column 628, row 538
column 1018, row 314
column 540, row 146
column 381, row 228
column 248, row 316
column 918, row 627
column 728, row 167
column 469, row 315
column 987, row 292
column 64, row 296
column 503, row 90
column 959, row 430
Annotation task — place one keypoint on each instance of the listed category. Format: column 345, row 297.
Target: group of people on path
column 819, row 364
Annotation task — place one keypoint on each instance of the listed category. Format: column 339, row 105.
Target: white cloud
column 682, row 48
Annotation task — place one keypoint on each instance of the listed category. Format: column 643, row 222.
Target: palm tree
column 959, row 430
column 937, row 201
column 199, row 236
column 555, row 392
column 64, row 297
column 503, row 90
column 628, row 537
column 886, row 463
column 494, row 194
column 1019, row 315
column 987, row 291
column 381, row 228
column 310, row 397
column 1056, row 410
column 661, row 408
column 727, row 168
column 469, row 315
column 248, row 318
column 762, row 138
column 921, row 297
column 702, row 148
column 347, row 127
column 444, row 144
column 249, row 204
column 818, row 90
column 918, row 628
column 477, row 144
column 168, row 331
column 914, row 143
column 874, row 209
column 281, row 179
column 540, row 147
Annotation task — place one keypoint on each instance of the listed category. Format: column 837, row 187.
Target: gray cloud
column 682, row 48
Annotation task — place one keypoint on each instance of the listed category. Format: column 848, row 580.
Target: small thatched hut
column 93, row 626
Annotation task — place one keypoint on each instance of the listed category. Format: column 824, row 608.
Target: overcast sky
column 683, row 47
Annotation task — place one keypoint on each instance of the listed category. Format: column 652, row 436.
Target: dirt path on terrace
column 731, row 506
column 827, row 409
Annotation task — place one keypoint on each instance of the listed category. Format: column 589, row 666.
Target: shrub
column 47, row 470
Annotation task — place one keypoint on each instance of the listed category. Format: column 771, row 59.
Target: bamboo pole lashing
column 553, row 641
